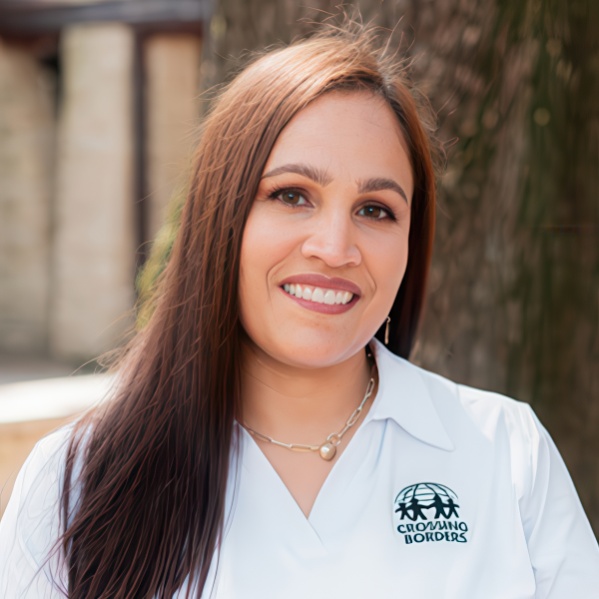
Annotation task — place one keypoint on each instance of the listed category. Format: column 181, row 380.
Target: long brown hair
column 143, row 499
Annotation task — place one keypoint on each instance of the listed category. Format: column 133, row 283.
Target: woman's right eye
column 290, row 197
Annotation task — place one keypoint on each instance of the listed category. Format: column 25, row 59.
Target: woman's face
column 325, row 246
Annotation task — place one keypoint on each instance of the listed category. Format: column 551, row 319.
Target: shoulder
column 478, row 417
column 47, row 454
column 30, row 526
column 43, row 469
column 467, row 414
column 491, row 413
column 39, row 480
column 502, row 432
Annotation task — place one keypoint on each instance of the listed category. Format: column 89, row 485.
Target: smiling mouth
column 318, row 295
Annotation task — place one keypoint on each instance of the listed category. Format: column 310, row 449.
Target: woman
column 263, row 441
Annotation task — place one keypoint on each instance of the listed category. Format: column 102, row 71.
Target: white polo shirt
column 443, row 492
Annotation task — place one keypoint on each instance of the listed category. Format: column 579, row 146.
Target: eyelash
column 277, row 192
column 389, row 213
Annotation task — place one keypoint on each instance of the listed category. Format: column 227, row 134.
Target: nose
column 332, row 239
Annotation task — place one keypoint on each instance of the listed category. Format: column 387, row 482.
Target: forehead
column 352, row 134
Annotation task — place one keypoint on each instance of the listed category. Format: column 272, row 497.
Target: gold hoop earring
column 387, row 330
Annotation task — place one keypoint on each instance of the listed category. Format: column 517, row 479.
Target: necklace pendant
column 327, row 451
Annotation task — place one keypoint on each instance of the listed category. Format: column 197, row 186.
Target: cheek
column 265, row 244
column 395, row 278
column 388, row 270
column 254, row 248
column 250, row 282
column 249, row 296
column 261, row 252
column 389, row 258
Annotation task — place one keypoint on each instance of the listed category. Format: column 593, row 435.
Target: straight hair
column 143, row 499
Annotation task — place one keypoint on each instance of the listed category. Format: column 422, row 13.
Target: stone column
column 172, row 68
column 26, row 144
column 95, row 239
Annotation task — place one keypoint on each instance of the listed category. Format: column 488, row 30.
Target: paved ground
column 34, row 388
column 36, row 397
column 29, row 368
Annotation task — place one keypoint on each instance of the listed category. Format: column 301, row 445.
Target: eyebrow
column 380, row 184
column 323, row 178
column 316, row 175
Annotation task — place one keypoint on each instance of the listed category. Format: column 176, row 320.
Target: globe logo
column 424, row 501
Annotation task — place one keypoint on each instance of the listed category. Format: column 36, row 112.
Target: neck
column 300, row 405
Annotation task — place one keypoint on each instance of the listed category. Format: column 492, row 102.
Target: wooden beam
column 36, row 17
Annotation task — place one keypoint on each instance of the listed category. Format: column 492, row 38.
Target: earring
column 387, row 330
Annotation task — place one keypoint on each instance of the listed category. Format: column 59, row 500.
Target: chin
column 316, row 354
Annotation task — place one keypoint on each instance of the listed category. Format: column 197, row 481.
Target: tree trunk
column 513, row 302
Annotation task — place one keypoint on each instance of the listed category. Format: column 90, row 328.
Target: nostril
column 332, row 247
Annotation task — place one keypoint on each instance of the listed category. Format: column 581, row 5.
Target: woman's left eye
column 375, row 212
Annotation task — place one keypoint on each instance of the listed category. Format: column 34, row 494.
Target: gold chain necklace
column 328, row 448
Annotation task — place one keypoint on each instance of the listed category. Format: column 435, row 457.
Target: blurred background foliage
column 514, row 295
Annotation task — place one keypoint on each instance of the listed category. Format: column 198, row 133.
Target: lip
column 334, row 283
column 315, row 280
column 323, row 308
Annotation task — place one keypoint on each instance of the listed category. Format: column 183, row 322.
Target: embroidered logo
column 428, row 512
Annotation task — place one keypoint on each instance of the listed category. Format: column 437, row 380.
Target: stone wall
column 172, row 64
column 94, row 247
column 70, row 224
column 26, row 158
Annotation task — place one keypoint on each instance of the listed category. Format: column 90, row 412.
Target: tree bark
column 513, row 301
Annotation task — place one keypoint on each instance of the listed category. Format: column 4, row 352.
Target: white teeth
column 339, row 297
column 318, row 295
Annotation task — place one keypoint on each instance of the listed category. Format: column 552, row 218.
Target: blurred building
column 98, row 107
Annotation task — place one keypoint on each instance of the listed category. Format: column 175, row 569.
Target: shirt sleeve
column 561, row 544
column 29, row 568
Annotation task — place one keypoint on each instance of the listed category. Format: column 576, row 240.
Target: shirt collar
column 404, row 397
